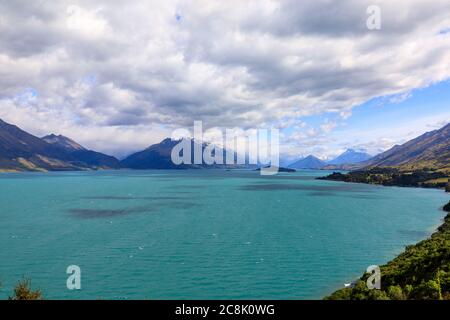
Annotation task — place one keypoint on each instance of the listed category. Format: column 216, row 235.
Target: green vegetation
column 23, row 291
column 447, row 207
column 389, row 176
column 422, row 272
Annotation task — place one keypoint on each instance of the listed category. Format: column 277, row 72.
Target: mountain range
column 344, row 161
column 21, row 151
column 430, row 150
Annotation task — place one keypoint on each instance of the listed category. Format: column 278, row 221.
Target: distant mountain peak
column 308, row 162
column 350, row 156
column 63, row 142
column 158, row 156
column 311, row 157
column 167, row 141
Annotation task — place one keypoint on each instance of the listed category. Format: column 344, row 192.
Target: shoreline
column 431, row 231
column 401, row 290
column 359, row 290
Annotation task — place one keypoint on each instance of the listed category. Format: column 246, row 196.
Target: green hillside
column 421, row 272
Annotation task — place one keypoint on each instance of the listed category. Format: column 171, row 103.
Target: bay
column 202, row 234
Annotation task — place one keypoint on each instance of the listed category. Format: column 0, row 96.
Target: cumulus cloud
column 116, row 69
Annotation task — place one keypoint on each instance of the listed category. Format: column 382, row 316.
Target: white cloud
column 159, row 65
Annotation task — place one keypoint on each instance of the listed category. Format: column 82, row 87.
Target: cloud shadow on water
column 82, row 213
column 321, row 194
column 133, row 198
column 91, row 213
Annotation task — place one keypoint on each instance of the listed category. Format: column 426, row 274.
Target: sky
column 118, row 76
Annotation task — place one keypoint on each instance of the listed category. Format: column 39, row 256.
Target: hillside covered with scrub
column 421, row 162
column 426, row 178
column 422, row 272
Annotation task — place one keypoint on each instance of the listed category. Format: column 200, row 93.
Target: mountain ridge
column 429, row 150
column 22, row 151
column 62, row 141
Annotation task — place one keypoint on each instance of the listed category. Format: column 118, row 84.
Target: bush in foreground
column 23, row 291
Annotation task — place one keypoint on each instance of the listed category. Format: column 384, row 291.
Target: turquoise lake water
column 202, row 234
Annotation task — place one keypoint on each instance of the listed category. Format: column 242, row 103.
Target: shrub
column 395, row 293
column 375, row 294
column 23, row 291
column 447, row 207
column 427, row 290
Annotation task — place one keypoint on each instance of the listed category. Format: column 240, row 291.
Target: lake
column 202, row 234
